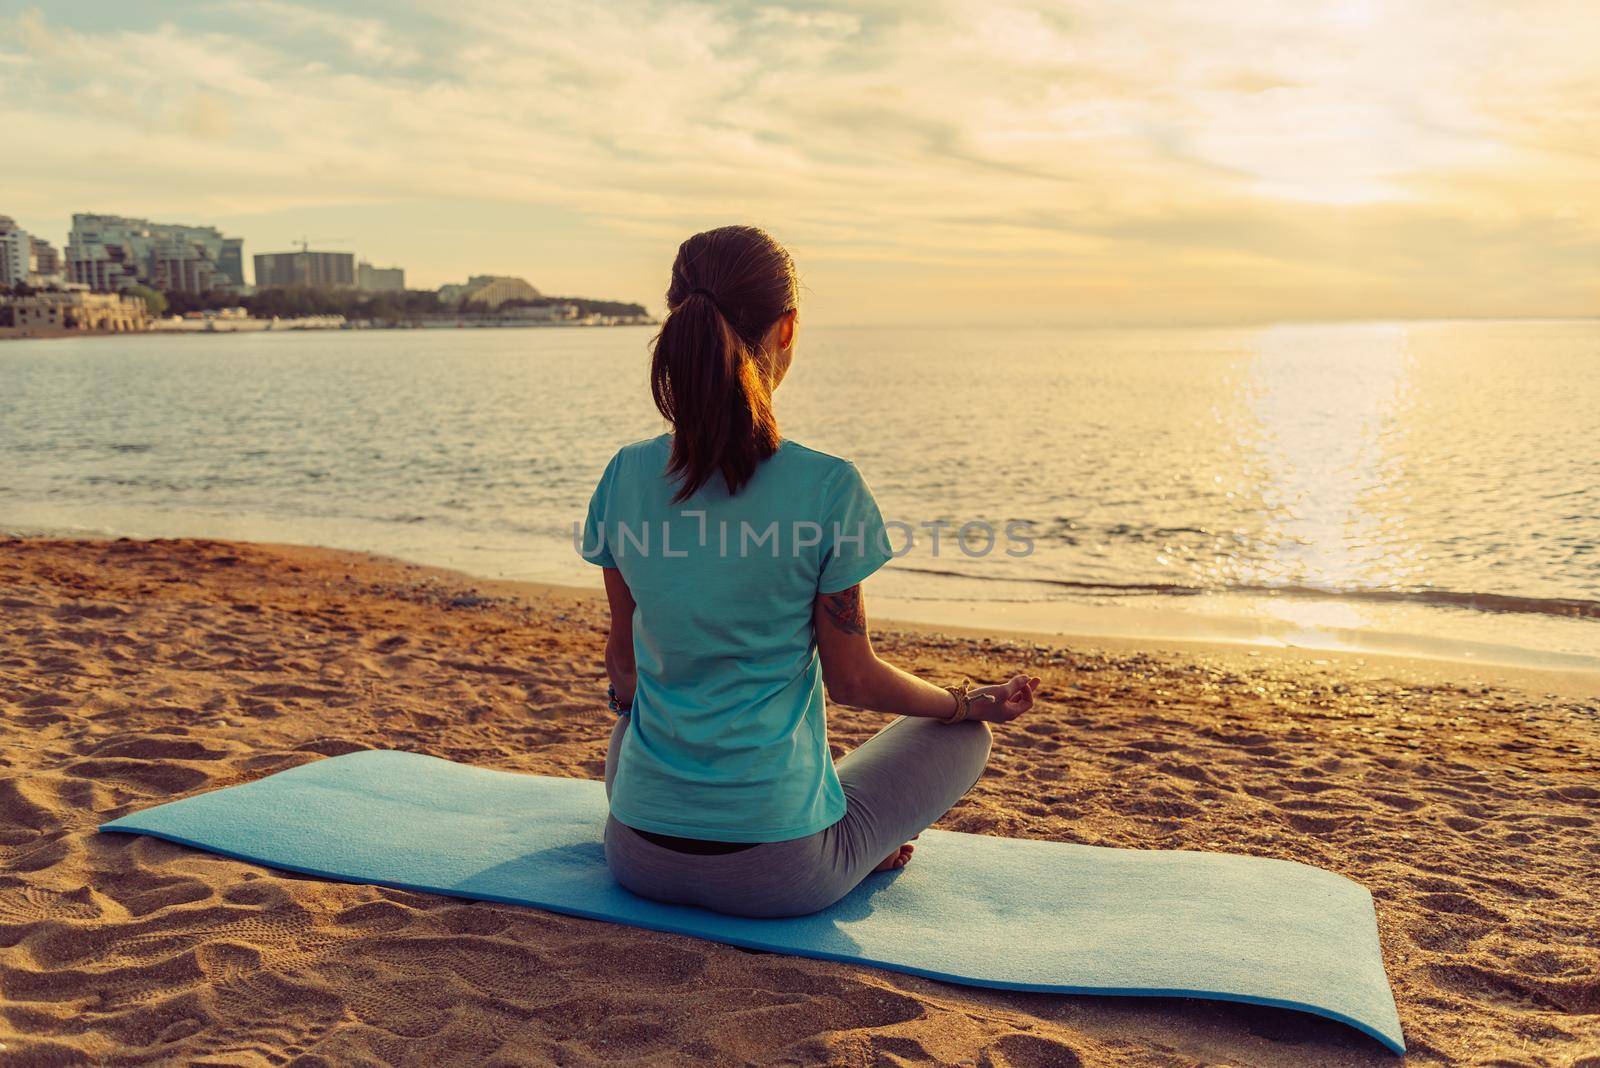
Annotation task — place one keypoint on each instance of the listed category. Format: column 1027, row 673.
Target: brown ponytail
column 728, row 287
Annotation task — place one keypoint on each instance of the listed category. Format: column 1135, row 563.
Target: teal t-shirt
column 728, row 740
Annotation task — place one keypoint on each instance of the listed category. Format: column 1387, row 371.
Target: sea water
column 1310, row 484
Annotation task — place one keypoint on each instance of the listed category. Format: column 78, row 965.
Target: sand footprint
column 1029, row 1051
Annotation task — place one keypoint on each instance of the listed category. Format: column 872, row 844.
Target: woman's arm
column 854, row 675
column 619, row 643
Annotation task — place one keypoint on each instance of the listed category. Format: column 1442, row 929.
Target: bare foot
column 898, row 859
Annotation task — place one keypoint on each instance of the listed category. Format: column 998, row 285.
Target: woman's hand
column 1004, row 702
column 855, row 676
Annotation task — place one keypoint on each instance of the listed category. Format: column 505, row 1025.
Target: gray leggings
column 896, row 784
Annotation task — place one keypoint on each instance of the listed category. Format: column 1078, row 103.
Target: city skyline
column 950, row 163
column 108, row 252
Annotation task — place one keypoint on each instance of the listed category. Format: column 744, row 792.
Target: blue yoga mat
column 974, row 909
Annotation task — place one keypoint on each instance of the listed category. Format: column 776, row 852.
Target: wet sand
column 131, row 673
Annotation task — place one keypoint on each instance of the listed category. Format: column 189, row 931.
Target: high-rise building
column 46, row 260
column 180, row 268
column 107, row 268
column 115, row 252
column 16, row 253
column 230, row 261
column 318, row 270
column 25, row 259
column 379, row 279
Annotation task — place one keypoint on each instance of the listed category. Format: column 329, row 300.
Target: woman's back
column 728, row 739
column 733, row 562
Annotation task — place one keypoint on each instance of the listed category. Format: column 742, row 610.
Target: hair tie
column 712, row 297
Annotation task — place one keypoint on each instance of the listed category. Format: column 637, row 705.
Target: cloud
column 206, row 117
column 366, row 40
column 1027, row 140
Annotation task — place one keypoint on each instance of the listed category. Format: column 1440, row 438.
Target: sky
column 932, row 161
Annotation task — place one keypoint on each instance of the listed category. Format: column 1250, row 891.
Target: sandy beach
column 1464, row 797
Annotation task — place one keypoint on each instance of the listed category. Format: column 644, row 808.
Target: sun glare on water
column 1322, row 431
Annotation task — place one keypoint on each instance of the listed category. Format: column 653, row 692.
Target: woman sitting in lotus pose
column 733, row 565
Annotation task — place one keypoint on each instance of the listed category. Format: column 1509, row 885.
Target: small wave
column 1572, row 607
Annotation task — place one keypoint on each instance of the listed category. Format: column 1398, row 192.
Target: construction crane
column 305, row 242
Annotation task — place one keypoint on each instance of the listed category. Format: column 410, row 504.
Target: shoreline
column 135, row 672
column 9, row 333
column 1084, row 626
column 882, row 615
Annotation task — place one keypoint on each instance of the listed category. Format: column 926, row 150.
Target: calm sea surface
column 1424, row 478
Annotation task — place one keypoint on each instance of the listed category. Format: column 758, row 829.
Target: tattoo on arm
column 846, row 610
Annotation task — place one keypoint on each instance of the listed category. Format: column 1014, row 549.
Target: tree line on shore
column 407, row 305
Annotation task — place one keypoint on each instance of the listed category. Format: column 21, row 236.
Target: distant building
column 107, row 271
column 79, row 309
column 489, row 290
column 318, row 270
column 46, row 260
column 379, row 279
column 25, row 259
column 185, row 269
column 16, row 253
column 112, row 252
column 230, row 261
